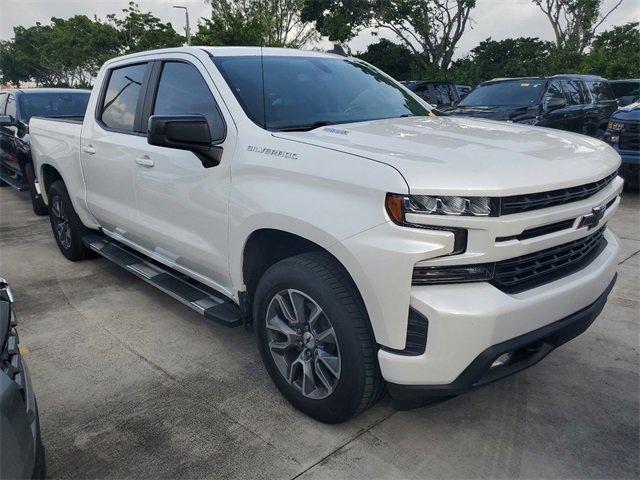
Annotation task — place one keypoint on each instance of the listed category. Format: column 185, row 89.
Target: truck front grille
column 535, row 201
column 535, row 269
column 630, row 137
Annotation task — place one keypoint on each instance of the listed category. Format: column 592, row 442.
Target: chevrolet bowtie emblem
column 591, row 220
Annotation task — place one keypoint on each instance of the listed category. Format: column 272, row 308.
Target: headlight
column 615, row 126
column 452, row 274
column 399, row 205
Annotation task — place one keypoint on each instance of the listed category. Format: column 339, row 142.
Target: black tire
column 39, row 207
column 61, row 210
column 318, row 276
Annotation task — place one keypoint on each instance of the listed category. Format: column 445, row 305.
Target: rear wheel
column 67, row 227
column 315, row 338
column 39, row 207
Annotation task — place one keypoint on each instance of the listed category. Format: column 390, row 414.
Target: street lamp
column 186, row 29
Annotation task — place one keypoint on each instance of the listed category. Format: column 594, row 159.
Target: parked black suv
column 16, row 108
column 438, row 94
column 577, row 103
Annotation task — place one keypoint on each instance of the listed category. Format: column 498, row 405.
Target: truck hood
column 459, row 155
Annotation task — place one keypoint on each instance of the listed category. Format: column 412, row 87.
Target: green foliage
column 615, row 53
column 66, row 52
column 273, row 23
column 513, row 57
column 393, row 59
column 139, row 31
column 70, row 52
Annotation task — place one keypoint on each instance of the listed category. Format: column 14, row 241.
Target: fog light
column 502, row 360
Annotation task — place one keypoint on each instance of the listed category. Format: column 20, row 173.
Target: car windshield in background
column 302, row 93
column 58, row 104
column 520, row 93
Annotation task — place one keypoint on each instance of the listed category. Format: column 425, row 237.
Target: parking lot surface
column 131, row 383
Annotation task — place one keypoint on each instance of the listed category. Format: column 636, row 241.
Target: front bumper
column 465, row 320
column 525, row 351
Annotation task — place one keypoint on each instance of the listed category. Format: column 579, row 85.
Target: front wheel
column 67, row 227
column 315, row 339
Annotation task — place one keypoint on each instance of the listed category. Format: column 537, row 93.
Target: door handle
column 145, row 161
column 89, row 149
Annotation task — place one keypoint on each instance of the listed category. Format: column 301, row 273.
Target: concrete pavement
column 131, row 383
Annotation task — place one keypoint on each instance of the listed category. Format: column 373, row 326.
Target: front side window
column 518, row 93
column 53, row 105
column 601, row 91
column 11, row 106
column 3, row 100
column 121, row 97
column 554, row 91
column 301, row 93
column 183, row 91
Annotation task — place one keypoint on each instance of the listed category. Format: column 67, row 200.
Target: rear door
column 183, row 205
column 111, row 142
column 574, row 116
column 602, row 106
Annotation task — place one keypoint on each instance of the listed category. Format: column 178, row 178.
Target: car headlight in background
column 528, row 121
column 615, row 126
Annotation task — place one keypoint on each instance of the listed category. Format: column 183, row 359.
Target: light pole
column 186, row 29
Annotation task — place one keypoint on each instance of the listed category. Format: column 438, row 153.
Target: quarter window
column 183, row 91
column 121, row 97
column 601, row 91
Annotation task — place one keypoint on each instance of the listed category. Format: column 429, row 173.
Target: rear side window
column 183, row 91
column 601, row 91
column 11, row 106
column 121, row 97
column 573, row 92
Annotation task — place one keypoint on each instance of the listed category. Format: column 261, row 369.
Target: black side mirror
column 6, row 121
column 555, row 103
column 185, row 132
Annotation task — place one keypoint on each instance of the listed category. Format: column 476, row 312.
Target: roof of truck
column 560, row 75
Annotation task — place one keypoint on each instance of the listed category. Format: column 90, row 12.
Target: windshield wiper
column 305, row 128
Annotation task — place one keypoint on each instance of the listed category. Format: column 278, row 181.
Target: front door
column 182, row 205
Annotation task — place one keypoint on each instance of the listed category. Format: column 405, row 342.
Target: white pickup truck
column 371, row 241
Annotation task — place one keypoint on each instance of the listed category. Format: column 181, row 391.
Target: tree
column 275, row 23
column 512, row 57
column 64, row 53
column 139, row 31
column 615, row 53
column 431, row 29
column 393, row 59
column 574, row 22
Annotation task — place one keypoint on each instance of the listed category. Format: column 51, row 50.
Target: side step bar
column 190, row 292
column 12, row 181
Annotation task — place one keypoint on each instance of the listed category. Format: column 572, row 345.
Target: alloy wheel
column 303, row 343
column 61, row 223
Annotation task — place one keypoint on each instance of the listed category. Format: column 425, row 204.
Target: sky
column 498, row 19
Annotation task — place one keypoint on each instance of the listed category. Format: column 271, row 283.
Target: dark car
column 22, row 450
column 626, row 91
column 577, row 103
column 438, row 94
column 16, row 108
column 623, row 134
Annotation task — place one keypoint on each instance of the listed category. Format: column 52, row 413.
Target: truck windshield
column 302, row 93
column 58, row 104
column 518, row 93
